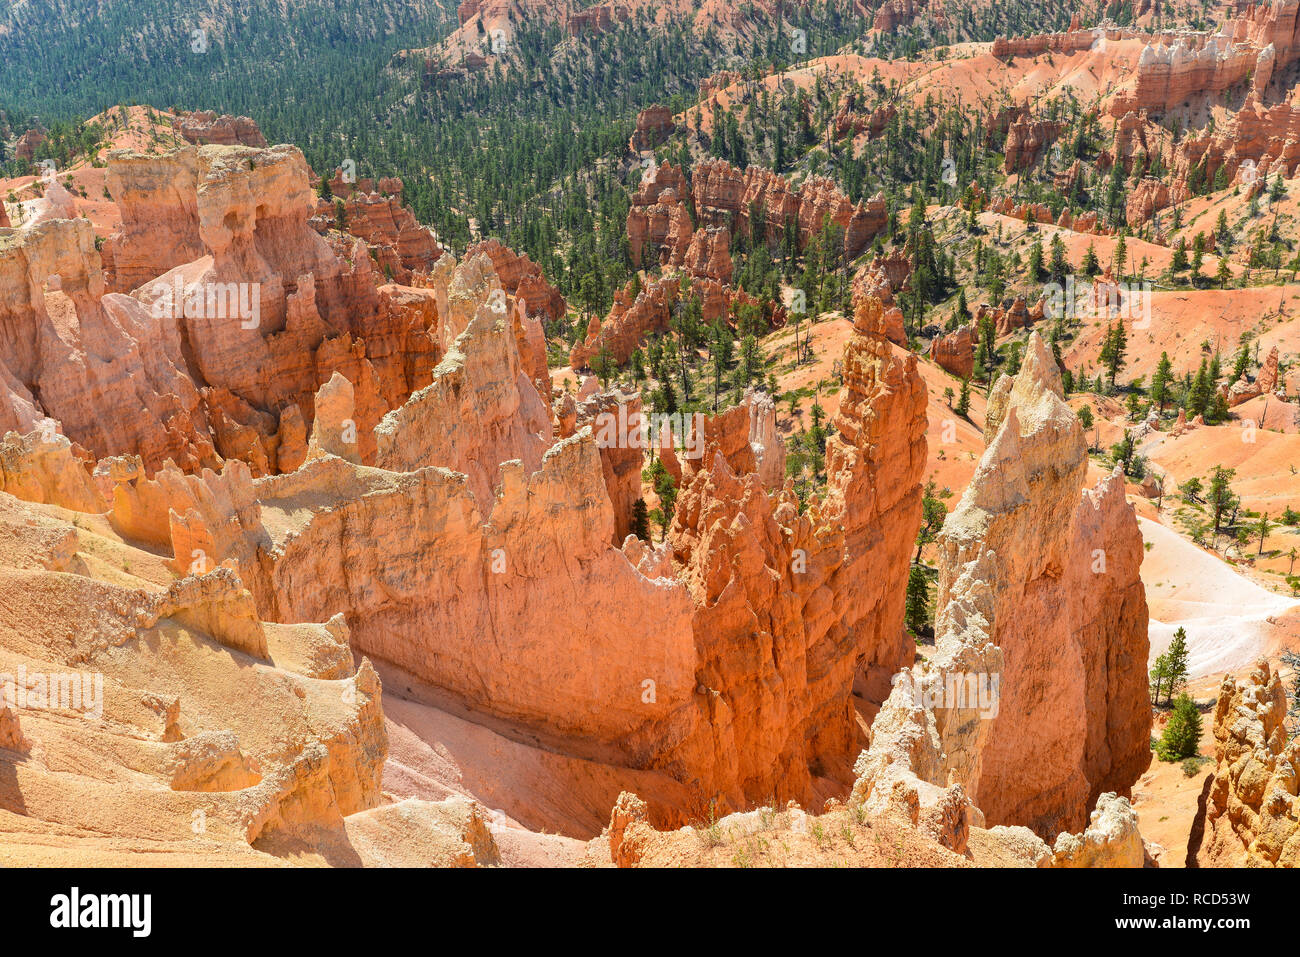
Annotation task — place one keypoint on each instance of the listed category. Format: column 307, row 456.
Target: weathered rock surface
column 402, row 248
column 1257, row 45
column 654, row 124
column 522, row 278
column 216, row 244
column 94, row 359
column 724, row 196
column 1035, row 702
column 1026, row 141
column 1111, row 838
column 787, row 616
column 955, row 351
column 41, row 467
column 206, row 127
column 659, row 227
column 160, row 756
column 629, row 321
column 1250, row 814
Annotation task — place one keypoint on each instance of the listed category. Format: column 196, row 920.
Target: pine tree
column 1179, row 261
column 1182, row 735
column 1223, row 275
column 1159, row 676
column 963, row 400
column 1091, row 266
column 1241, row 361
column 1198, row 397
column 1112, row 351
column 641, row 520
column 1035, row 269
column 1060, row 264
column 1177, row 660
column 933, row 512
column 1160, row 382
column 917, row 610
column 1220, row 496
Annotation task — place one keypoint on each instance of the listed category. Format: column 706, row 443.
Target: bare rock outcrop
column 1111, row 838
column 955, row 351
column 25, row 147
column 205, row 127
column 764, row 439
column 654, row 124
column 724, row 196
column 1035, row 702
column 622, row 435
column 522, row 278
column 799, row 584
column 1250, row 814
column 480, row 410
column 659, row 227
column 629, row 321
column 413, row 833
column 402, row 248
column 334, row 431
column 42, row 467
column 1260, row 43
column 1149, row 197
column 90, row 359
column 1026, row 141
column 497, row 531
column 217, row 247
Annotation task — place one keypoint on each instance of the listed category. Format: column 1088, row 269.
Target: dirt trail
column 1230, row 620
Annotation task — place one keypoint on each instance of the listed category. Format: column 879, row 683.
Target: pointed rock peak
column 334, row 428
column 996, row 407
column 1039, row 367
column 869, row 316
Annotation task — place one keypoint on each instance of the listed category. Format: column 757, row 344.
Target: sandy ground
column 1165, row 799
column 1230, row 620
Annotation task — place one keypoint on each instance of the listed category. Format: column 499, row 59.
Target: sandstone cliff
column 215, row 244
column 203, row 128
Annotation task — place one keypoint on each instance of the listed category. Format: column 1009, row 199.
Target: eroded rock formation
column 1026, row 141
column 522, row 278
column 1035, row 702
column 659, row 227
column 725, row 196
column 654, row 124
column 204, row 128
column 401, row 247
column 1250, row 814
column 480, row 524
column 955, row 351
column 792, row 611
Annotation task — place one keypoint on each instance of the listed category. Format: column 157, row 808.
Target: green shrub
column 1182, row 734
